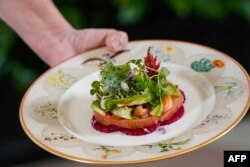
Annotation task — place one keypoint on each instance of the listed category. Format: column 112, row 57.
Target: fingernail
column 117, row 44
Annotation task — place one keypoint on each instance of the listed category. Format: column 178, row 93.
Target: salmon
column 126, row 123
column 141, row 112
column 170, row 106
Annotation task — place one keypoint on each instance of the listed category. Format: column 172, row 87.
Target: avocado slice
column 157, row 110
column 96, row 107
column 133, row 100
column 111, row 104
column 123, row 112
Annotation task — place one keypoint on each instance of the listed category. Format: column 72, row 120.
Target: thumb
column 87, row 39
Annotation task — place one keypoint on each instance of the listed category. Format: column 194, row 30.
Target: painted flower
column 161, row 52
column 169, row 49
column 62, row 80
column 53, row 80
column 162, row 130
column 202, row 65
column 107, row 150
column 218, row 63
column 47, row 109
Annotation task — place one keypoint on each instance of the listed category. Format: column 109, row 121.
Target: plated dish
column 75, row 112
column 217, row 97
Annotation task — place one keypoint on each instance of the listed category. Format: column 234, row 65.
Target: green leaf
column 112, row 76
column 163, row 73
column 153, row 92
column 138, row 62
column 110, row 104
column 140, row 81
column 92, row 91
column 95, row 84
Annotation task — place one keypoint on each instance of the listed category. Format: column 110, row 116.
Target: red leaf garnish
column 151, row 64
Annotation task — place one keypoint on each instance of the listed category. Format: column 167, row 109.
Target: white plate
column 75, row 113
column 38, row 110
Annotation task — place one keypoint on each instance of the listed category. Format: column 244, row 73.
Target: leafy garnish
column 134, row 83
column 151, row 63
column 112, row 76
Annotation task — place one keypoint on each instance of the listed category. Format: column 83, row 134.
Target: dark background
column 220, row 24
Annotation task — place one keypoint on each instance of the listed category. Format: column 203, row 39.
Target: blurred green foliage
column 20, row 75
column 113, row 13
column 130, row 12
column 7, row 38
column 210, row 9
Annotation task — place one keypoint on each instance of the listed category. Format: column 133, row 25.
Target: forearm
column 38, row 23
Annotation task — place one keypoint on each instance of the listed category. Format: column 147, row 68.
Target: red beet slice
column 175, row 117
column 141, row 131
column 103, row 128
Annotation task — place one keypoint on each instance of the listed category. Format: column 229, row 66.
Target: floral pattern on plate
column 44, row 109
column 228, row 89
column 173, row 144
column 167, row 53
column 59, row 81
column 217, row 119
column 209, row 65
column 56, row 135
column 106, row 152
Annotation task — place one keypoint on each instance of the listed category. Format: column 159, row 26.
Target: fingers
column 87, row 39
column 116, row 40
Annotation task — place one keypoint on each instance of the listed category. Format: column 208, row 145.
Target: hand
column 44, row 29
column 79, row 41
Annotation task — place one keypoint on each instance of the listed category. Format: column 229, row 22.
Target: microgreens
column 131, row 81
